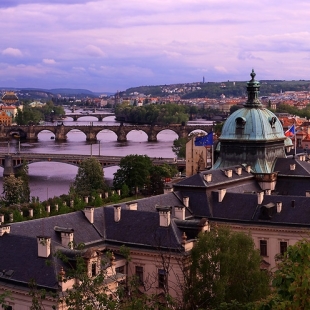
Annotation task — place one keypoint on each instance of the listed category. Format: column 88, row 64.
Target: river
column 50, row 179
column 53, row 179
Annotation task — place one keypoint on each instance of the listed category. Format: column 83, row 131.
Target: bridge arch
column 76, row 134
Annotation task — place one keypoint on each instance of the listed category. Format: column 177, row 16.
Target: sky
column 111, row 45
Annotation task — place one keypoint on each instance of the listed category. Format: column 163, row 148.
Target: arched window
column 240, row 122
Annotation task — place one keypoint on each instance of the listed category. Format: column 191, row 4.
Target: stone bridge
column 31, row 132
column 99, row 116
column 11, row 162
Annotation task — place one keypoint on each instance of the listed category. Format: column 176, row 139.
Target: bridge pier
column 121, row 134
column 152, row 137
column 8, row 166
column 90, row 136
column 60, row 134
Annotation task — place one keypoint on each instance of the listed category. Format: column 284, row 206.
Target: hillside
column 216, row 89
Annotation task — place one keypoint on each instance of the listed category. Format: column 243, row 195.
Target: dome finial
column 253, row 74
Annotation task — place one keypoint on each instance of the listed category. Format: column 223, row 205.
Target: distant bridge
column 11, row 162
column 31, row 132
column 99, row 116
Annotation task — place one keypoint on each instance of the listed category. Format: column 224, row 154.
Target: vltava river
column 53, row 179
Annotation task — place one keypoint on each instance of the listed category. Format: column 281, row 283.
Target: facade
column 5, row 119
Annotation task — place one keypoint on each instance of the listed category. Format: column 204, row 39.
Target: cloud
column 94, row 51
column 49, row 61
column 10, row 51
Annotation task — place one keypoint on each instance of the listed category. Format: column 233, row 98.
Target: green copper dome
column 252, row 135
column 253, row 122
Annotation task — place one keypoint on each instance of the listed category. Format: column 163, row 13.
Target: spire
column 253, row 91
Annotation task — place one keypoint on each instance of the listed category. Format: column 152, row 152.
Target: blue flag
column 204, row 140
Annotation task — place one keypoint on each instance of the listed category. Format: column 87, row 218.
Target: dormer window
column 272, row 121
column 240, row 122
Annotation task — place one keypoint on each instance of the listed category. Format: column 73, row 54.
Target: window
column 263, row 247
column 93, row 269
column 283, row 247
column 120, row 269
column 139, row 274
column 162, row 278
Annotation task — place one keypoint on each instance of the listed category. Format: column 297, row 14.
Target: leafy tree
column 90, row 177
column 224, row 266
column 22, row 172
column 292, row 279
column 179, row 147
column 13, row 190
column 157, row 176
column 134, row 171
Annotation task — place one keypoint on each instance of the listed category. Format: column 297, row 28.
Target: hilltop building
column 9, row 98
column 254, row 188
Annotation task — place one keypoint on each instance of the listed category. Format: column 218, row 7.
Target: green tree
column 22, row 173
column 292, row 278
column 179, row 147
column 13, row 190
column 89, row 178
column 224, row 267
column 134, row 171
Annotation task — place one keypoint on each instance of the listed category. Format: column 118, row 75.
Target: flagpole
column 295, row 144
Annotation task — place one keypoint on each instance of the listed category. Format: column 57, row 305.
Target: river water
column 48, row 179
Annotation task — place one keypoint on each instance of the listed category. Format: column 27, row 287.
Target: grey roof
column 19, row 254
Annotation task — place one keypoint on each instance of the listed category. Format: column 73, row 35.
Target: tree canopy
column 224, row 267
column 138, row 171
column 89, row 178
column 153, row 114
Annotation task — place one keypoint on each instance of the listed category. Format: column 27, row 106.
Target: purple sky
column 110, row 45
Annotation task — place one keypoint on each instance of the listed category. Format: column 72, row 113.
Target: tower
column 252, row 136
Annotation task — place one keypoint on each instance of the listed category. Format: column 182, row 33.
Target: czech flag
column 204, row 140
column 290, row 132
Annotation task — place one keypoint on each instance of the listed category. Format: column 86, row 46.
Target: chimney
column 292, row 166
column 86, row 199
column 268, row 191
column 48, row 209
column 117, row 213
column 179, row 212
column 260, row 197
column 106, row 195
column 279, row 206
column 89, row 214
column 67, row 238
column 222, row 193
column 30, row 213
column 208, row 177
column 186, row 201
column 132, row 206
column 56, row 207
column 238, row 170
column 44, row 246
column 118, row 192
column 164, row 216
column 1, row 218
column 228, row 173
column 248, row 169
column 4, row 229
column 168, row 189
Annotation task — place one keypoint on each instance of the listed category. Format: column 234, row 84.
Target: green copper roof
column 253, row 122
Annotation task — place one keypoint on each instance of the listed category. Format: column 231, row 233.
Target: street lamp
column 99, row 147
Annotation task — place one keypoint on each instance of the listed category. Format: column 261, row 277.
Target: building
column 255, row 188
column 9, row 98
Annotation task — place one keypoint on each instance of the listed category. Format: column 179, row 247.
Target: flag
column 204, row 140
column 290, row 132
